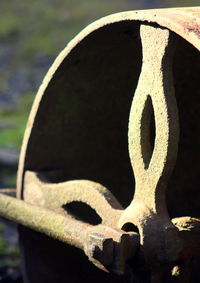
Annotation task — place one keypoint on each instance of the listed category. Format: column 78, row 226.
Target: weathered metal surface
column 54, row 196
column 152, row 166
column 183, row 21
column 77, row 130
column 106, row 247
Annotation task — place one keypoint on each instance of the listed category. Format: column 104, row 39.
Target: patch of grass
column 14, row 252
column 3, row 246
column 8, row 178
column 8, row 255
column 12, row 137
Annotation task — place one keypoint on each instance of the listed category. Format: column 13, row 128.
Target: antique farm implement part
column 77, row 132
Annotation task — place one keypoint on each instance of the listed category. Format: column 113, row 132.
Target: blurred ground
column 32, row 33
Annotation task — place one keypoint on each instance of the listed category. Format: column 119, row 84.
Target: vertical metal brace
column 152, row 167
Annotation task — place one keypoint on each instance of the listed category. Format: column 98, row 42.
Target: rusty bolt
column 100, row 248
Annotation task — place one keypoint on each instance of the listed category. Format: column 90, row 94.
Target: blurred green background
column 32, row 33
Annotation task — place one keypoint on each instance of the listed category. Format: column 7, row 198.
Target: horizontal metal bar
column 55, row 225
column 115, row 245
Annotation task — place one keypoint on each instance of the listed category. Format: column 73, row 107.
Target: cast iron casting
column 62, row 152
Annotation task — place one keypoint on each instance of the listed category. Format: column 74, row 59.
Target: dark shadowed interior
column 183, row 193
column 82, row 123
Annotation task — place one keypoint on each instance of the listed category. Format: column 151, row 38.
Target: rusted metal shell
column 79, row 122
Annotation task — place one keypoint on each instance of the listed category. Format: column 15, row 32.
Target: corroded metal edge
column 183, row 21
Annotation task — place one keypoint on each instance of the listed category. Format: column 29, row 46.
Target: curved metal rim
column 183, row 21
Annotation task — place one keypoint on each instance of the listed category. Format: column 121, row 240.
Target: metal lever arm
column 106, row 247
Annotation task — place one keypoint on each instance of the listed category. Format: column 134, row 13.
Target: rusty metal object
column 161, row 241
column 152, row 166
column 108, row 248
column 77, row 131
column 184, row 22
column 39, row 191
column 189, row 229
